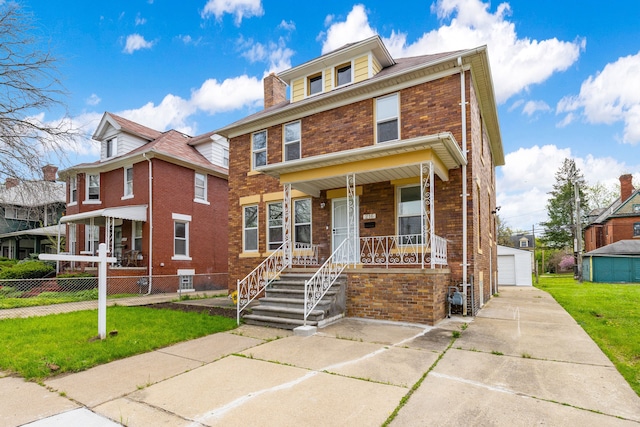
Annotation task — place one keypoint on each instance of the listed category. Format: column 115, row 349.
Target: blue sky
column 565, row 72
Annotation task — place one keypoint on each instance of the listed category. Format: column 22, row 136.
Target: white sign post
column 102, row 259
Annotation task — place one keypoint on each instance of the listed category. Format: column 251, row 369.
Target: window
column 259, row 148
column 201, row 187
column 302, row 221
column 387, row 123
column 128, row 182
column 137, row 236
column 292, row 141
column 524, row 243
column 636, row 229
column 93, row 187
column 275, row 226
column 636, row 208
column 343, row 74
column 225, row 157
column 91, row 238
column 71, row 246
column 112, row 147
column 181, row 236
column 250, row 229
column 73, row 189
column 409, row 215
column 314, row 84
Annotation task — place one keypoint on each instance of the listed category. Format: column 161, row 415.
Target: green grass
column 31, row 347
column 11, row 298
column 609, row 313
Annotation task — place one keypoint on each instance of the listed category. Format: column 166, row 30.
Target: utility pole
column 578, row 229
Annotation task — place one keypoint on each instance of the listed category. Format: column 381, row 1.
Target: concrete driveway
column 523, row 361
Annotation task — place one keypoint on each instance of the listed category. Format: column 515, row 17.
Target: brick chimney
column 11, row 182
column 275, row 91
column 626, row 186
column 49, row 172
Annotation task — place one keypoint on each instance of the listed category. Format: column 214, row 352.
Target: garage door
column 506, row 270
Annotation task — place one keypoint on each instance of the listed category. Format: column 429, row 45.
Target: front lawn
column 609, row 313
column 38, row 347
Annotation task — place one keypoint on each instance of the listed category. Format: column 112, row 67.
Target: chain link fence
column 39, row 297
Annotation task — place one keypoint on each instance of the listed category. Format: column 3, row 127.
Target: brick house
column 157, row 199
column 372, row 187
column 619, row 221
column 29, row 213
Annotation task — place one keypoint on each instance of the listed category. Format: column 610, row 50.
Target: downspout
column 463, row 104
column 150, row 186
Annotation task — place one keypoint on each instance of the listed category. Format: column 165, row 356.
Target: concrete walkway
column 523, row 361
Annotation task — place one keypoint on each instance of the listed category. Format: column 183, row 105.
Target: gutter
column 465, row 195
column 150, row 186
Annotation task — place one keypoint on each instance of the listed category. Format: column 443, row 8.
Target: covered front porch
column 371, row 211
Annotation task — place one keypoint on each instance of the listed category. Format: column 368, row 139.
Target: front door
column 339, row 222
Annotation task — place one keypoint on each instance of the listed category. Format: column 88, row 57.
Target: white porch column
column 108, row 234
column 427, row 209
column 286, row 219
column 352, row 220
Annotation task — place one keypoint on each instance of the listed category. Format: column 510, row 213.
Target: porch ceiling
column 133, row 213
column 376, row 163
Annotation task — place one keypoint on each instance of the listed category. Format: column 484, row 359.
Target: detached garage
column 618, row 262
column 514, row 266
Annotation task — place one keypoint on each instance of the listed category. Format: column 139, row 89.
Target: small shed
column 618, row 262
column 514, row 266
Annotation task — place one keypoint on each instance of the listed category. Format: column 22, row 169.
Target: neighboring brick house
column 395, row 157
column 29, row 213
column 177, row 225
column 619, row 221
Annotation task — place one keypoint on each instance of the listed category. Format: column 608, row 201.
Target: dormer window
column 112, row 147
column 343, row 74
column 314, row 84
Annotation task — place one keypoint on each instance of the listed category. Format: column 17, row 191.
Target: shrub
column 27, row 270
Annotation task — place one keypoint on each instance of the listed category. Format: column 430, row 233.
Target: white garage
column 514, row 266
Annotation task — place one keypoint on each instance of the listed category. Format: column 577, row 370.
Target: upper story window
column 73, row 189
column 636, row 229
column 112, row 147
column 128, row 182
column 314, row 84
column 200, row 187
column 12, row 212
column 636, row 208
column 225, row 157
column 259, row 148
column 387, row 114
column 343, row 74
column 524, row 243
column 292, row 141
column 93, row 187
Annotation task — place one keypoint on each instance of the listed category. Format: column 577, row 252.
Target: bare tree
column 29, row 87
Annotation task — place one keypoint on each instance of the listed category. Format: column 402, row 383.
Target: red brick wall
column 619, row 229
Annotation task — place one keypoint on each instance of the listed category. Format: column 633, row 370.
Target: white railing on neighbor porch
column 401, row 250
column 256, row 281
column 317, row 286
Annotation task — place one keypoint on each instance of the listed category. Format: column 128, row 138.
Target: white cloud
column 188, row 40
column 171, row 113
column 516, row 63
column 140, row 20
column 93, row 100
column 136, row 42
column 531, row 107
column 276, row 55
column 230, row 94
column 612, row 95
column 289, row 26
column 238, row 8
column 354, row 28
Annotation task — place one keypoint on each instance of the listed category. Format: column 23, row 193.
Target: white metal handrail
column 405, row 249
column 317, row 286
column 304, row 254
column 255, row 282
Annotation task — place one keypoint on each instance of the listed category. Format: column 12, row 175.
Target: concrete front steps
column 283, row 304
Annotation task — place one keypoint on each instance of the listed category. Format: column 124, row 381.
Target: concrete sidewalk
column 522, row 361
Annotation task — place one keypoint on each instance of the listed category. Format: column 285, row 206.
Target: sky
column 566, row 73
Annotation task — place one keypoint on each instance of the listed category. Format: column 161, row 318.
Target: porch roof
column 376, row 163
column 133, row 213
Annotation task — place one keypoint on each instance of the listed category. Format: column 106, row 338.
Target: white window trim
column 204, row 201
column 88, row 201
column 285, row 143
column 186, row 219
column 114, row 148
column 397, row 209
column 133, row 235
column 186, row 272
column 244, row 229
column 126, row 196
column 265, row 149
column 294, row 223
column 397, row 116
column 73, row 183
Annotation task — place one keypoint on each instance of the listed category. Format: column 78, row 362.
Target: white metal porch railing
column 402, row 250
column 304, row 254
column 317, row 286
column 255, row 282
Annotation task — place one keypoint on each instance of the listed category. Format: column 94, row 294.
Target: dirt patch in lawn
column 188, row 308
